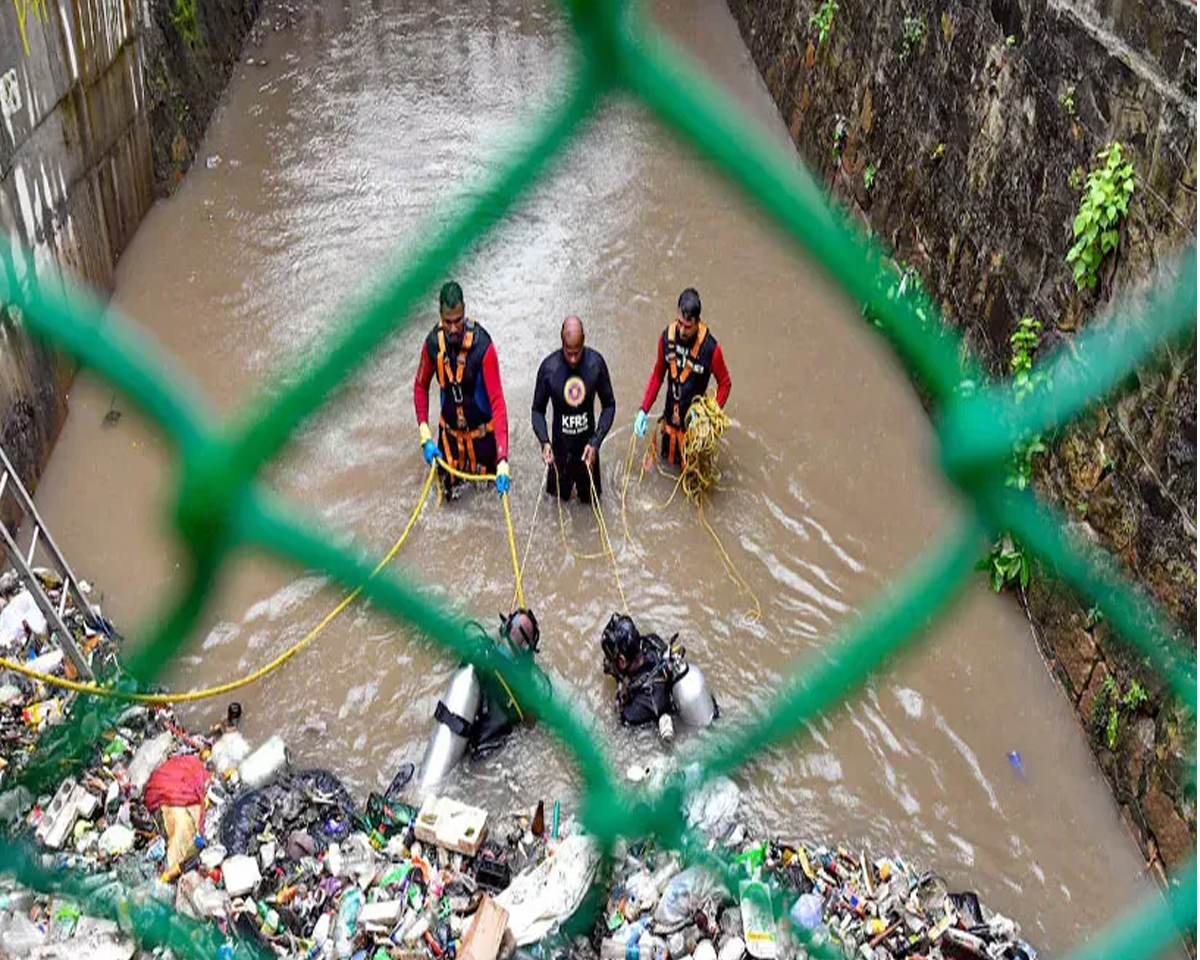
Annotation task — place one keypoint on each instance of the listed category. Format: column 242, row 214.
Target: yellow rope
column 537, row 505
column 562, row 525
column 629, row 458
column 706, row 424
column 755, row 613
column 455, row 472
column 604, row 540
column 192, row 695
column 512, row 540
column 512, row 547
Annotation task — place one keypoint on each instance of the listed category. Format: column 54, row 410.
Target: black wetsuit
column 573, row 392
column 645, row 692
column 499, row 713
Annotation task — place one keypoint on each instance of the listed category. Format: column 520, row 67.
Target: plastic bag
column 538, row 900
column 684, row 895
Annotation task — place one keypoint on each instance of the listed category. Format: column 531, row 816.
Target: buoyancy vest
column 465, row 404
column 689, row 370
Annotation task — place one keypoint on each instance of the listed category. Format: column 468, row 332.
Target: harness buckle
column 456, row 393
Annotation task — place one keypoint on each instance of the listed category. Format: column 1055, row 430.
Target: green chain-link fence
column 221, row 506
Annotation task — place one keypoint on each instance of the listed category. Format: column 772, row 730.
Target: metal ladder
column 22, row 561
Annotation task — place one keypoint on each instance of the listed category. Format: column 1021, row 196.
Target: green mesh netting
column 221, row 506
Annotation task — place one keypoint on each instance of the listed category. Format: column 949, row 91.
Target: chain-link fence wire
column 222, row 507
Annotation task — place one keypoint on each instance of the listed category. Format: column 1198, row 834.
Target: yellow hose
column 208, row 692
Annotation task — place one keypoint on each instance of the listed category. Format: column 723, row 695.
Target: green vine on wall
column 1097, row 225
column 822, row 20
column 1006, row 561
column 183, row 16
column 1110, row 705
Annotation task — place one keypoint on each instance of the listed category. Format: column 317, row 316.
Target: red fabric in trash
column 179, row 782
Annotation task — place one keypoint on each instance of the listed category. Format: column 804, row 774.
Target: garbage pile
column 27, row 706
column 870, row 909
column 284, row 859
column 289, row 862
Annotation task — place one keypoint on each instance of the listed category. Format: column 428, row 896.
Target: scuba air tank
column 455, row 713
column 694, row 703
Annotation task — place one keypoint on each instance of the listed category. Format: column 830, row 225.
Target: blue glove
column 639, row 423
column 428, row 447
column 502, row 479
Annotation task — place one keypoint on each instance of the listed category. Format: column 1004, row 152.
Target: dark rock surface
column 961, row 135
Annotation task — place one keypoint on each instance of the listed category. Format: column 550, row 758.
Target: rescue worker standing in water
column 688, row 356
column 473, row 422
column 570, row 380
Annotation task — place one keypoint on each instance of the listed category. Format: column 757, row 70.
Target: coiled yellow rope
column 706, row 425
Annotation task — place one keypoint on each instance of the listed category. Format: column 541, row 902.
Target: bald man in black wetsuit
column 571, row 379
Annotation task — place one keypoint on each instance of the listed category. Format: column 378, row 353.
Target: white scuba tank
column 694, row 704
column 447, row 744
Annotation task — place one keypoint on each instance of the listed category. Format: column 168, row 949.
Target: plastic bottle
column 347, row 922
column 47, row 711
column 271, row 923
column 806, row 913
column 645, row 948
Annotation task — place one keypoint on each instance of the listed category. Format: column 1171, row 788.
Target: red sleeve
column 721, row 372
column 495, row 393
column 421, row 386
column 656, row 378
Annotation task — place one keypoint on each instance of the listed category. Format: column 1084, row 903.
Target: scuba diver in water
column 479, row 710
column 654, row 679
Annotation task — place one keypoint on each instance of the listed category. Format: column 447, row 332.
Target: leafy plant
column 1110, row 730
column 1097, row 225
column 1010, row 41
column 183, row 16
column 1023, row 344
column 822, row 20
column 911, row 35
column 905, row 285
column 1066, row 99
column 1020, row 472
column 1134, row 697
column 1076, row 178
column 869, row 176
column 1110, row 705
column 1006, row 563
column 938, row 152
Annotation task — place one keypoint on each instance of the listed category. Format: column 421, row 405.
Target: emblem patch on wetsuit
column 574, row 391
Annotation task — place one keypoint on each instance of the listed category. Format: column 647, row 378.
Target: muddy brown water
column 344, row 128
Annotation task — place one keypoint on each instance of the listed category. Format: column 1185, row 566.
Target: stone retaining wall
column 960, row 133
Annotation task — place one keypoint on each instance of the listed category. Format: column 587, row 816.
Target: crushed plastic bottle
column 347, row 922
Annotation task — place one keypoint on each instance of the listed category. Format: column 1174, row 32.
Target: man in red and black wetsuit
column 473, row 423
column 688, row 356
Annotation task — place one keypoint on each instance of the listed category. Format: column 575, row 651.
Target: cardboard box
column 486, row 932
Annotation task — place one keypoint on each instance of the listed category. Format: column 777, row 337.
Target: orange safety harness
column 675, row 431
column 463, row 456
